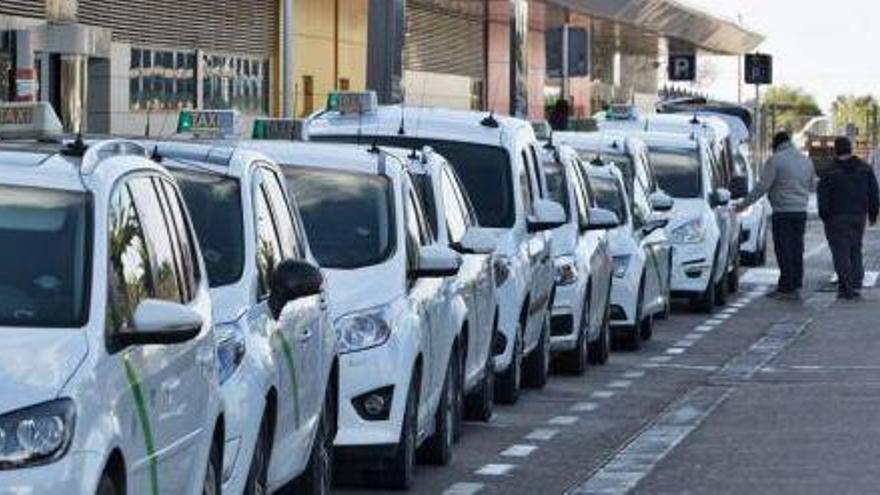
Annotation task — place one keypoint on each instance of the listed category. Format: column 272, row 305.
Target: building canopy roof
column 673, row 19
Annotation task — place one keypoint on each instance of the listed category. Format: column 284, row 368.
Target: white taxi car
column 107, row 353
column 497, row 160
column 641, row 254
column 399, row 331
column 454, row 222
column 276, row 345
column 580, row 332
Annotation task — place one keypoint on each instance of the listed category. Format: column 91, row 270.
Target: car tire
column 600, row 350
column 458, row 406
column 258, row 473
column 438, row 448
column 480, row 405
column 400, row 469
column 538, row 362
column 213, row 484
column 318, row 476
column 733, row 277
column 631, row 339
column 107, row 485
column 576, row 360
column 721, row 290
column 508, row 382
column 646, row 328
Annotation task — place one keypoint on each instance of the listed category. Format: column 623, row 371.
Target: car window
column 641, row 206
column 182, row 237
column 214, row 204
column 130, row 270
column 679, row 172
column 425, row 188
column 456, row 222
column 417, row 234
column 463, row 198
column 484, row 170
column 609, row 196
column 542, row 186
column 581, row 195
column 166, row 281
column 291, row 246
column 525, row 184
column 557, row 185
column 349, row 217
column 46, row 239
column 269, row 252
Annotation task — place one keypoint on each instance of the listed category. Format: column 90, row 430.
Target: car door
column 539, row 254
column 595, row 245
column 285, row 334
column 168, row 384
column 721, row 213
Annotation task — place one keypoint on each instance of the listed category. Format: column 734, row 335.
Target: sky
column 826, row 47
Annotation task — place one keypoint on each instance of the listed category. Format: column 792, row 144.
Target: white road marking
column 464, row 489
column 684, row 343
column 638, row 459
column 723, row 316
column 661, row 359
column 563, row 420
column 705, row 328
column 620, row 384
column 602, row 394
column 519, row 450
column 745, row 365
column 495, row 469
column 675, row 351
column 694, row 336
column 731, row 311
column 634, row 374
column 715, row 321
column 585, row 407
column 542, row 434
column 740, row 304
column 688, row 367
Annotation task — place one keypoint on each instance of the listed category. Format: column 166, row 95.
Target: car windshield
column 623, row 162
column 349, row 217
column 607, row 194
column 46, row 239
column 484, row 171
column 678, row 172
column 557, row 184
column 214, row 203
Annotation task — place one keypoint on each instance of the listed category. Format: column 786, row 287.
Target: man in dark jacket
column 848, row 196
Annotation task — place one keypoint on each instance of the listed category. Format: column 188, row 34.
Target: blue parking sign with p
column 683, row 67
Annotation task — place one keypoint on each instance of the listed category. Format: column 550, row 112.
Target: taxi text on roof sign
column 278, row 129
column 27, row 120
column 211, row 123
column 352, row 102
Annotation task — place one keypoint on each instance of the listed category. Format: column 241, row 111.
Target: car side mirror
column 476, row 241
column 602, row 219
column 739, row 187
column 548, row 215
column 158, row 322
column 721, row 197
column 293, row 280
column 437, row 262
column 662, row 202
column 654, row 223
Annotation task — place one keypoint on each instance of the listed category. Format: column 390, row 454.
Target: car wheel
column 107, row 485
column 600, row 350
column 318, row 476
column 212, row 484
column 458, row 403
column 538, row 363
column 646, row 328
column 438, row 448
column 258, row 473
column 400, row 469
column 480, row 405
column 721, row 290
column 733, row 277
column 576, row 360
column 507, row 383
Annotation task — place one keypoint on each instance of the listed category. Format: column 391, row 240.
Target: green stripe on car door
column 289, row 358
column 141, row 407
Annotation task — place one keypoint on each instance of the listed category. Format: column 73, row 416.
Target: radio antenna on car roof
column 402, row 130
column 490, row 121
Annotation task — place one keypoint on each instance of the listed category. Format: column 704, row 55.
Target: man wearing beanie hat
column 787, row 179
column 848, row 197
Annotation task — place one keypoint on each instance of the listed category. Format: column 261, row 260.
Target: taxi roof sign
column 279, row 129
column 210, row 123
column 358, row 102
column 28, row 120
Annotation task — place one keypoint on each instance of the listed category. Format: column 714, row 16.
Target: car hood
column 620, row 241
column 564, row 240
column 35, row 364
column 684, row 211
column 356, row 290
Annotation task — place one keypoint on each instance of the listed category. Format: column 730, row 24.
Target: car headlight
column 36, row 435
column 566, row 271
column 688, row 233
column 621, row 265
column 231, row 349
column 361, row 331
column 501, row 265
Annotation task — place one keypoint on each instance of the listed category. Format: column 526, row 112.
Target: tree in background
column 860, row 112
column 789, row 108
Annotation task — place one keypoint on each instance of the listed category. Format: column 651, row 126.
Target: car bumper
column 565, row 317
column 382, row 370
column 243, row 395
column 691, row 268
column 624, row 301
column 77, row 472
column 509, row 301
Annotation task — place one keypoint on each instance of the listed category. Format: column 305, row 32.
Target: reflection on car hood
column 684, row 211
column 564, row 240
column 36, row 363
column 355, row 290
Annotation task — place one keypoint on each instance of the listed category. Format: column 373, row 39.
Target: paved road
column 764, row 396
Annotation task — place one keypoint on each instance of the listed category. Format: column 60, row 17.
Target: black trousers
column 845, row 234
column 788, row 240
